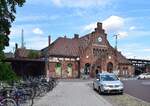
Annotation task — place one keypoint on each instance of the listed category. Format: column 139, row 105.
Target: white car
column 108, row 83
column 144, row 76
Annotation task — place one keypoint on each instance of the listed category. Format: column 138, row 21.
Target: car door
column 97, row 80
column 148, row 75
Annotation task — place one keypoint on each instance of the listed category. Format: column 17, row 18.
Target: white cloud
column 80, row 3
column 117, row 25
column 135, row 50
column 147, row 50
column 73, row 3
column 81, row 13
column 41, row 2
column 122, row 34
column 132, row 28
column 113, row 23
column 142, row 57
column 139, row 33
column 57, row 2
column 29, row 18
column 37, row 42
column 37, row 31
column 15, row 32
column 128, row 54
column 31, row 42
column 37, row 18
column 90, row 27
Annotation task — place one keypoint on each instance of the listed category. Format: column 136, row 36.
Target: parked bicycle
column 24, row 92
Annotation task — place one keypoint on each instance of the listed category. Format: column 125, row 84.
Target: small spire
column 22, row 39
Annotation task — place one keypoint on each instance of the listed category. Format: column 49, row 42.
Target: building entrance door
column 110, row 67
column 67, row 72
column 87, row 69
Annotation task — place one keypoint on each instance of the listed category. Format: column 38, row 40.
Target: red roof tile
column 63, row 47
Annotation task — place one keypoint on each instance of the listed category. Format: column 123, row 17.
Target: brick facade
column 72, row 57
column 86, row 54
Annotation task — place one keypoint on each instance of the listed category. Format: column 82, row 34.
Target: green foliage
column 7, row 16
column 6, row 73
column 33, row 54
column 2, row 56
column 3, row 41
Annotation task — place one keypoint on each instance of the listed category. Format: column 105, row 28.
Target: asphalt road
column 138, row 88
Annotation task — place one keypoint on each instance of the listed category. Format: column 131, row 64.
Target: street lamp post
column 116, row 40
column 116, row 45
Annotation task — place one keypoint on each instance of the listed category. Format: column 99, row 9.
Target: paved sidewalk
column 72, row 93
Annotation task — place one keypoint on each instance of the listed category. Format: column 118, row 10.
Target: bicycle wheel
column 8, row 102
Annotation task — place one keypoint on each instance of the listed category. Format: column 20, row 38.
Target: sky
column 130, row 19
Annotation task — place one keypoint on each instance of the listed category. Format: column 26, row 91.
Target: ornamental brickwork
column 86, row 54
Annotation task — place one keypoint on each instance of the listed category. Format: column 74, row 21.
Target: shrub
column 6, row 72
column 33, row 54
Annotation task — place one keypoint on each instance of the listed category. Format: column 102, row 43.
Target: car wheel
column 99, row 91
column 121, row 93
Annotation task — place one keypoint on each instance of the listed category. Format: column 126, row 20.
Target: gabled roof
column 63, row 47
column 120, row 58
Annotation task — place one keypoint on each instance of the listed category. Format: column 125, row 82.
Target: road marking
column 145, row 83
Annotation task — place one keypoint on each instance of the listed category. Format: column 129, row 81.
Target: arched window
column 69, row 70
column 58, row 69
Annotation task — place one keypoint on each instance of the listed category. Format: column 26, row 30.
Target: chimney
column 99, row 25
column 76, row 36
column 16, row 46
column 49, row 40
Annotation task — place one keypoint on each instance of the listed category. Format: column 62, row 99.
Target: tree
column 7, row 16
column 6, row 73
column 33, row 54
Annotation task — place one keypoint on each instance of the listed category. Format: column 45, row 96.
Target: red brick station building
column 72, row 57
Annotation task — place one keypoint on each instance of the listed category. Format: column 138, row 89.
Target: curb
column 138, row 99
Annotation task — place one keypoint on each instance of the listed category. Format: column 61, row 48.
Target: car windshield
column 109, row 78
